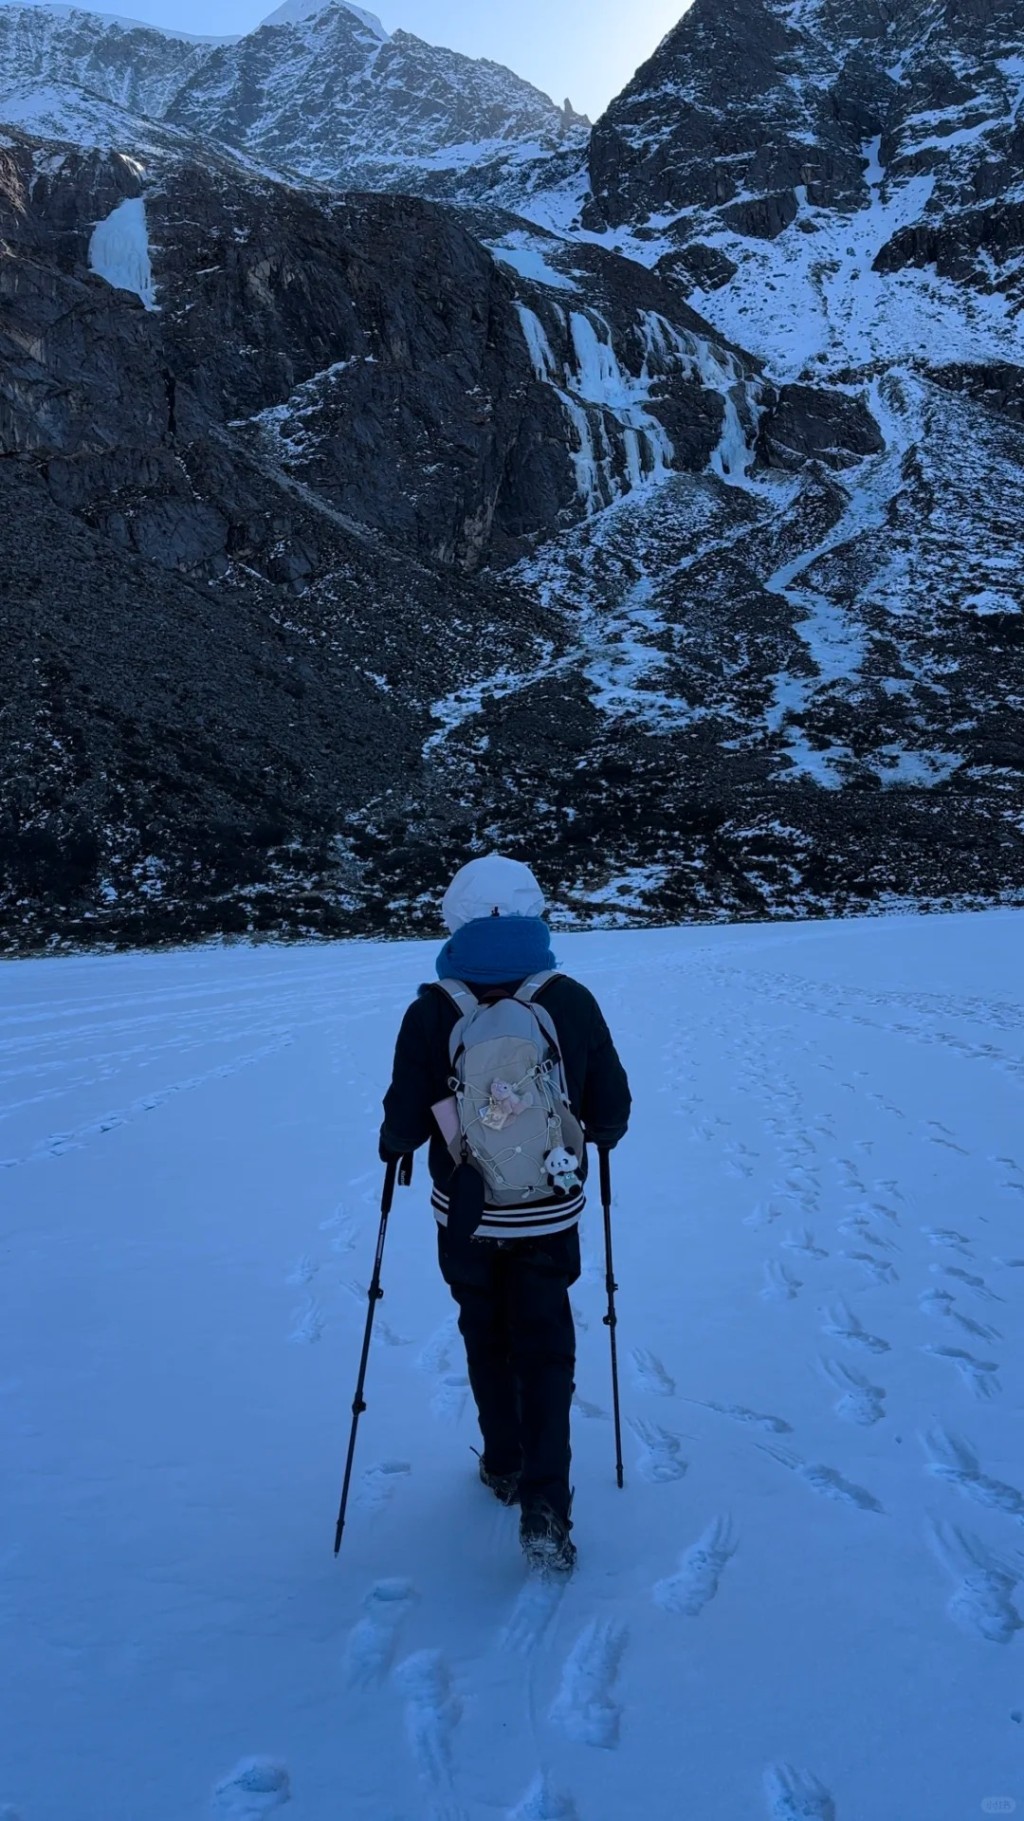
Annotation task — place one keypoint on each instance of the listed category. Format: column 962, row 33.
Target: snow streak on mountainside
column 322, row 92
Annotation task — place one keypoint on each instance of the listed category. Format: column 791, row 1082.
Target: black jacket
column 598, row 1090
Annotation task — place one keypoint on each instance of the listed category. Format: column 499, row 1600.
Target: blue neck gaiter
column 494, row 951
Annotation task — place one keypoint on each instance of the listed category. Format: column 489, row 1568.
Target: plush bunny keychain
column 503, row 1105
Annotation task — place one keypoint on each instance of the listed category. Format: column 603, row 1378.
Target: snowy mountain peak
column 294, row 12
column 331, row 96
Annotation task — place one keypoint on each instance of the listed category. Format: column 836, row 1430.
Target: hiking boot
column 505, row 1486
column 546, row 1542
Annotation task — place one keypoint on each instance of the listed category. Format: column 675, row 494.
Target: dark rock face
column 754, row 112
column 235, row 528
column 711, row 122
column 805, row 422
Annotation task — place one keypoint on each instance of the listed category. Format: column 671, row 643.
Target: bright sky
column 584, row 49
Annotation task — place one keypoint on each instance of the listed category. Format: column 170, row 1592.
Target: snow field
column 807, row 1602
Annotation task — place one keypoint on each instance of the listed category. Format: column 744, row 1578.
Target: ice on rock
column 119, row 250
column 669, row 348
column 619, row 444
column 535, row 335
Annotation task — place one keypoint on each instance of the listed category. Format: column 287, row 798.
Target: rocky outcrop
column 755, row 117
column 805, row 422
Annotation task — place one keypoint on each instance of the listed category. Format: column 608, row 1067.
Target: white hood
column 492, row 885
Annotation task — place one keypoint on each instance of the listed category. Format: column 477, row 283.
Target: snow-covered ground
column 805, row 1604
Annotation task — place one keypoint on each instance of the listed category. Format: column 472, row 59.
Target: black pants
column 515, row 1319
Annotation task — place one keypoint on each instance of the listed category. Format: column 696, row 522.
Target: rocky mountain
column 866, row 156
column 321, row 92
column 658, row 526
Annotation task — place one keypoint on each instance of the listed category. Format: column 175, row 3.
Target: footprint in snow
column 543, row 1802
column 949, row 1144
column 696, row 1580
column 948, row 1239
column 857, row 1227
column 450, row 1395
column 592, row 1412
column 980, row 1330
column 660, row 1460
column 371, row 1645
column 536, row 1605
column 585, row 1708
column 303, row 1271
column 885, row 1212
column 796, row 1795
column 803, row 1242
column 432, row 1714
column 379, row 1483
column 877, row 1270
column 384, row 1334
column 889, row 1185
column 972, row 1281
column 841, row 1324
column 860, row 1402
column 436, row 1355
column 982, row 1600
column 342, row 1230
column 255, row 1788
column 825, row 1481
column 650, row 1374
column 763, row 1215
column 979, row 1375
column 780, row 1285
column 954, row 1460
column 310, row 1322
column 774, row 1425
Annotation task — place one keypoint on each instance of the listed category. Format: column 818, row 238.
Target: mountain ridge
column 321, row 93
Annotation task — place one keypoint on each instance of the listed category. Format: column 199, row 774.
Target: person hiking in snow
column 508, row 1068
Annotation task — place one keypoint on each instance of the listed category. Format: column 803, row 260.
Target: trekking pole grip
column 605, row 1167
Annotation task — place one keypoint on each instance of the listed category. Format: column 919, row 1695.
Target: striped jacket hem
column 525, row 1222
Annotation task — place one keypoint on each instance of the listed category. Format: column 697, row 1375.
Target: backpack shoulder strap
column 527, row 995
column 465, row 1003
column 458, row 992
column 529, row 990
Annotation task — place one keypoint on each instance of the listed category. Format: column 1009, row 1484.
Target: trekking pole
column 611, row 1319
column 398, row 1169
